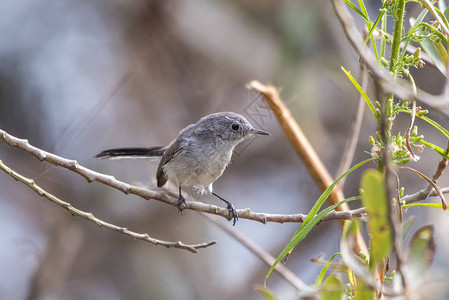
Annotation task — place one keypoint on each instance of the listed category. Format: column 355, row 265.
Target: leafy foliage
column 369, row 275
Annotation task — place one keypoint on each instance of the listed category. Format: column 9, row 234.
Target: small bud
column 384, row 62
column 418, row 139
column 389, row 106
column 405, row 160
column 414, row 131
column 422, row 112
column 371, row 140
column 378, row 137
column 377, row 111
column 389, row 123
column 363, row 256
column 401, row 192
column 417, row 53
column 408, row 59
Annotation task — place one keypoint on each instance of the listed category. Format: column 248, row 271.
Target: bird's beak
column 258, row 131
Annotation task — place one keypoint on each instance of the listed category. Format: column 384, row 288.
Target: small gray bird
column 198, row 156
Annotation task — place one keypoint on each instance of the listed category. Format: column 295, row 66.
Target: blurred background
column 78, row 77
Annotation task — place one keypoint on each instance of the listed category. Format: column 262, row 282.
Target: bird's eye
column 235, row 127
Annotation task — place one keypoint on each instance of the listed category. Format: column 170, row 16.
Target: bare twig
column 90, row 217
column 261, row 253
column 431, row 183
column 297, row 138
column 299, row 141
column 439, row 171
column 126, row 188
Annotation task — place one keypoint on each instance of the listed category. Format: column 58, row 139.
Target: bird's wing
column 172, row 150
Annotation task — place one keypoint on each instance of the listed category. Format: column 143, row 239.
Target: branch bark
column 126, row 188
column 90, row 217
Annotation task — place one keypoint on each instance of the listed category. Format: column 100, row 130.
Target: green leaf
column 370, row 27
column 433, row 205
column 265, row 292
column 406, row 226
column 324, row 270
column 374, row 198
column 438, row 150
column 332, row 288
column 352, row 261
column 415, row 25
column 437, row 14
column 379, row 17
column 313, row 218
column 434, row 124
column 421, row 254
column 446, row 13
column 354, row 8
column 361, row 91
column 437, row 53
column 363, row 291
column 302, row 232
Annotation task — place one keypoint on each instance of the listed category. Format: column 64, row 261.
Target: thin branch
column 266, row 257
column 299, row 141
column 399, row 88
column 439, row 171
column 126, row 188
column 90, row 217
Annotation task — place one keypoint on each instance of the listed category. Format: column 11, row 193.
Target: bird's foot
column 232, row 213
column 181, row 203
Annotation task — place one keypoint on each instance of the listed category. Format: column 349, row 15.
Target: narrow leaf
column 374, row 26
column 354, row 8
column 302, row 232
column 265, row 292
column 332, row 288
column 434, row 205
column 436, row 14
column 439, row 150
column 352, row 261
column 312, row 219
column 421, row 254
column 363, row 291
column 446, row 13
column 374, row 198
column 430, row 121
column 324, row 270
column 361, row 91
column 407, row 225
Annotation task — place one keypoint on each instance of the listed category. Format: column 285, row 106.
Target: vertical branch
column 397, row 35
column 386, row 166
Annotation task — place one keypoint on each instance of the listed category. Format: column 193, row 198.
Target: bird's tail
column 131, row 153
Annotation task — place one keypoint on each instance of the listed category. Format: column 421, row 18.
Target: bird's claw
column 232, row 213
column 181, row 203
